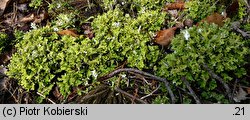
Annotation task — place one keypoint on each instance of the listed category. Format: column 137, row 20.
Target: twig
column 138, row 76
column 141, row 73
column 247, row 17
column 180, row 96
column 183, row 90
column 129, row 95
column 236, row 25
column 12, row 94
column 235, row 84
column 170, row 92
column 94, row 95
column 150, row 93
column 191, row 91
column 213, row 75
column 112, row 74
column 46, row 98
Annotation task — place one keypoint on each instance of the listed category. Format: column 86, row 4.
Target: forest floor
column 17, row 15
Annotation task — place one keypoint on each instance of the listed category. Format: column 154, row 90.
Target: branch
column 46, row 98
column 129, row 95
column 170, row 92
column 236, row 27
column 117, row 71
column 213, row 75
column 150, row 93
column 235, row 84
column 191, row 91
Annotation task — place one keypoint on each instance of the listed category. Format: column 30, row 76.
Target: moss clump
column 120, row 37
column 45, row 59
column 3, row 41
column 199, row 9
column 223, row 51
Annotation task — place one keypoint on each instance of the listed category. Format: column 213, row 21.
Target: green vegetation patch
column 3, row 41
column 223, row 51
column 44, row 59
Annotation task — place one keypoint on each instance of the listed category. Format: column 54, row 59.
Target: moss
column 223, row 51
column 4, row 40
column 45, row 59
column 123, row 33
column 199, row 9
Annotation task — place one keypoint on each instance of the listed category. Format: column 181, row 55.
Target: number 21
column 240, row 111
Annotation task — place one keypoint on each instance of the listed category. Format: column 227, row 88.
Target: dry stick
column 235, row 84
column 191, row 91
column 94, row 95
column 142, row 73
column 170, row 92
column 228, row 90
column 180, row 96
column 183, row 90
column 247, row 17
column 236, row 27
column 138, row 76
column 129, row 95
column 150, row 93
column 12, row 94
column 46, row 98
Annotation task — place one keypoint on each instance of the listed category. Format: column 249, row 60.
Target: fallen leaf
column 88, row 32
column 233, row 9
column 241, row 95
column 179, row 25
column 188, row 22
column 23, row 1
column 164, row 37
column 79, row 3
column 3, row 5
column 215, row 18
column 248, row 90
column 35, row 18
column 3, row 81
column 175, row 6
column 22, row 7
column 4, row 58
column 42, row 16
column 173, row 13
column 69, row 32
column 3, row 69
column 57, row 94
column 28, row 18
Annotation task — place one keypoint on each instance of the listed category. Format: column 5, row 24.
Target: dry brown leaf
column 69, row 32
column 22, row 7
column 215, row 18
column 5, row 57
column 57, row 94
column 3, row 82
column 28, row 18
column 164, row 37
column 241, row 95
column 42, row 16
column 3, row 5
column 35, row 18
column 188, row 22
column 88, row 32
column 23, row 1
column 233, row 9
column 248, row 90
column 175, row 6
